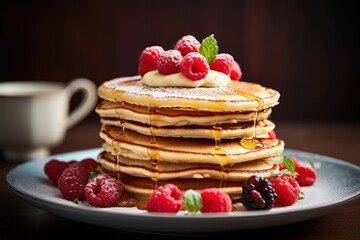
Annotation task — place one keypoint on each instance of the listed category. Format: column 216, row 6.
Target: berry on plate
column 89, row 163
column 215, row 200
column 194, row 66
column 187, row 44
column 72, row 182
column 258, row 193
column 148, row 59
column 103, row 191
column 169, row 62
column 54, row 168
column 166, row 198
column 306, row 174
column 287, row 190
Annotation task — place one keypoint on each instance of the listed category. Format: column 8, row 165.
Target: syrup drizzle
column 221, row 155
column 153, row 148
column 252, row 142
column 122, row 123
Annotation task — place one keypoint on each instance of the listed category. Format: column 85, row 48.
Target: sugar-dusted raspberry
column 89, row 163
column 169, row 62
column 166, row 198
column 54, row 168
column 149, row 58
column 187, row 44
column 235, row 72
column 194, row 66
column 215, row 200
column 306, row 175
column 272, row 135
column 223, row 63
column 287, row 190
column 258, row 193
column 103, row 191
column 72, row 182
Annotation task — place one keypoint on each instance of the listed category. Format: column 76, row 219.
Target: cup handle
column 87, row 104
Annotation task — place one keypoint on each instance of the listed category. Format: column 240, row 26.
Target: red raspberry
column 194, row 66
column 54, row 168
column 306, row 175
column 287, row 190
column 187, row 44
column 272, row 135
column 89, row 163
column 215, row 200
column 169, row 62
column 103, row 191
column 166, row 198
column 149, row 58
column 223, row 63
column 235, row 72
column 72, row 182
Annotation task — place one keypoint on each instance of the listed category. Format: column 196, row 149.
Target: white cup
column 34, row 115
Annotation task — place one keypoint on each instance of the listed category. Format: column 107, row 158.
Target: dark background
column 307, row 50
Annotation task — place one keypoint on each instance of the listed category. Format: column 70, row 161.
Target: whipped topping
column 212, row 79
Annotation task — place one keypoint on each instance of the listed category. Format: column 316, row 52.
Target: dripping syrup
column 153, row 148
column 252, row 142
column 221, row 155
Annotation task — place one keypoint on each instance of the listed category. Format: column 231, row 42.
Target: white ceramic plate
column 338, row 183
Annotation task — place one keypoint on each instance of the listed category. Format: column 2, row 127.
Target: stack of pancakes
column 195, row 138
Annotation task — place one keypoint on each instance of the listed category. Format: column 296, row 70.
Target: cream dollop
column 212, row 79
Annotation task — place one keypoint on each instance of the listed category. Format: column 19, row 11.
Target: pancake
column 184, row 150
column 236, row 96
column 174, row 116
column 246, row 129
column 167, row 171
column 141, row 188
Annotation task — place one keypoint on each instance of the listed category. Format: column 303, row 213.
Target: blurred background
column 307, row 50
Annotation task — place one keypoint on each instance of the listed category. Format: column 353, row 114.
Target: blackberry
column 258, row 193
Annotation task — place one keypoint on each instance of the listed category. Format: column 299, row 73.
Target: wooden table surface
column 341, row 141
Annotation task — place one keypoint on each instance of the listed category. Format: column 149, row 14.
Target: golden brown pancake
column 237, row 96
column 167, row 171
column 175, row 117
column 185, row 150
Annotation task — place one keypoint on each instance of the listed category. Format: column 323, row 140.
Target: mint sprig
column 209, row 48
column 192, row 201
column 290, row 168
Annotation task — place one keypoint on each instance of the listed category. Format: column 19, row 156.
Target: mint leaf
column 209, row 48
column 192, row 201
column 290, row 168
column 289, row 164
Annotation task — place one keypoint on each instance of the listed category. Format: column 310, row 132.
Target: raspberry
column 215, row 200
column 166, row 198
column 235, row 72
column 89, row 163
column 54, row 168
column 72, row 182
column 103, row 191
column 287, row 190
column 223, row 63
column 187, row 44
column 149, row 58
column 272, row 135
column 258, row 193
column 194, row 66
column 169, row 62
column 306, row 175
